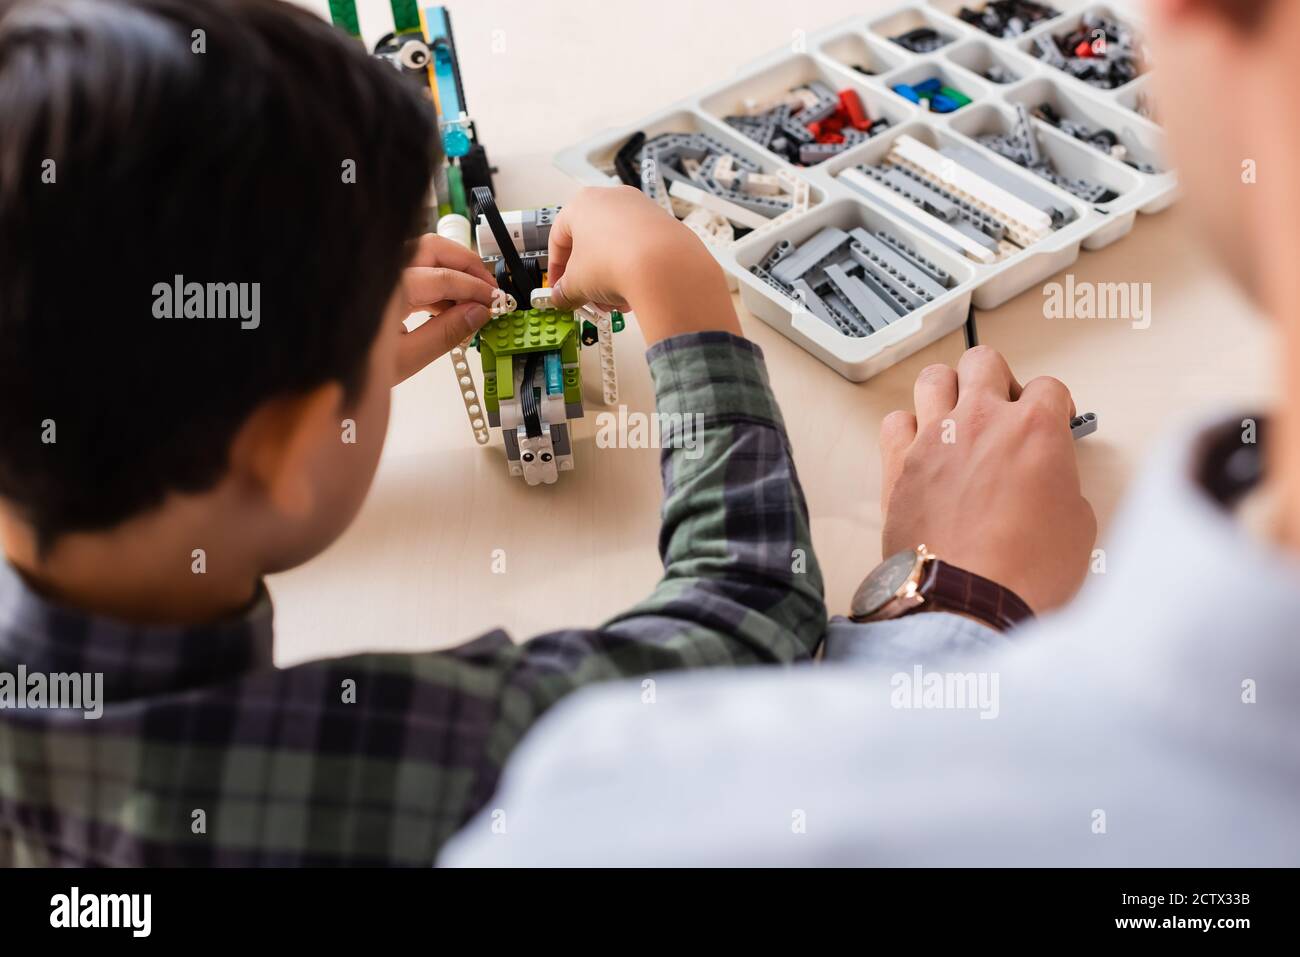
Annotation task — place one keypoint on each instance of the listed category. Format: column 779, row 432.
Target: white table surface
column 415, row 571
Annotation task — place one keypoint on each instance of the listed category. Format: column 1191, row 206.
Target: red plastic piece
column 1083, row 49
column 852, row 106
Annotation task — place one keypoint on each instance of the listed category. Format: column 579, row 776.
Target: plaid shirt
column 207, row 754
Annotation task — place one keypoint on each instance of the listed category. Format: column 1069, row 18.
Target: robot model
column 529, row 351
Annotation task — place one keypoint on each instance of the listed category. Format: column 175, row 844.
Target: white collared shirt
column 1155, row 722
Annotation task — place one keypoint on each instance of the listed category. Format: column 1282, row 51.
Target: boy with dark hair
column 158, row 456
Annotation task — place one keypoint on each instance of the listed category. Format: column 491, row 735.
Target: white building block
column 867, row 185
column 737, row 214
column 1004, row 204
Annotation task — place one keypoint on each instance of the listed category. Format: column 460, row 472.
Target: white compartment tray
column 834, row 55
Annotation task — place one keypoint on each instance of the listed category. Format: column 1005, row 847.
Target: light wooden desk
column 416, row 569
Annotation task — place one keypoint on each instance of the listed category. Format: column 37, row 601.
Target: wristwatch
column 916, row 580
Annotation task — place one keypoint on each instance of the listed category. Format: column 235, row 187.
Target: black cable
column 528, row 397
column 623, row 163
column 519, row 276
column 972, row 334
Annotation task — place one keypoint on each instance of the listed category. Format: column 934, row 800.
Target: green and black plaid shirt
column 207, row 754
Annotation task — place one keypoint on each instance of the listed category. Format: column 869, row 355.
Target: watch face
column 883, row 584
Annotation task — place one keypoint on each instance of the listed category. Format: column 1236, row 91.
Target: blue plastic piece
column 455, row 140
column 928, row 90
column 554, row 373
column 455, row 135
column 444, row 71
column 903, row 90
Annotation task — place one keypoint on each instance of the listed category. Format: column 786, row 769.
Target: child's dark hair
column 216, row 140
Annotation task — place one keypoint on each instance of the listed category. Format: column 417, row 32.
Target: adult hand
column 985, row 475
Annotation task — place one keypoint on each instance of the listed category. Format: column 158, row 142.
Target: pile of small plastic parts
column 1099, row 138
column 809, row 124
column 1008, row 18
column 933, row 95
column 717, row 192
column 857, row 282
column 922, row 40
column 1101, row 52
column 1021, row 146
column 997, row 73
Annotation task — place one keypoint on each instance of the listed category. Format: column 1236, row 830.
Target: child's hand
column 451, row 282
column 614, row 247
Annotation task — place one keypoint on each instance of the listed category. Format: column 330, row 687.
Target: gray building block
column 777, row 253
column 796, row 131
column 766, row 276
column 897, row 303
column 986, row 168
column 850, row 323
column 918, row 223
column 1084, row 424
column 823, row 108
column 871, row 309
column 892, row 278
column 769, row 206
column 511, row 438
column 804, row 293
column 972, row 214
column 977, row 234
column 809, row 254
column 930, row 199
column 1026, row 131
column 903, row 296
column 810, row 154
column 930, row 268
column 918, row 278
column 560, row 439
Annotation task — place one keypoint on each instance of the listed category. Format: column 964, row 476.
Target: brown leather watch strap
column 954, row 589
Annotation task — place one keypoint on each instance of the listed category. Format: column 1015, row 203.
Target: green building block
column 960, row 98
column 456, row 192
column 406, row 16
column 519, row 333
column 505, row 377
column 344, row 15
column 572, row 386
column 532, row 330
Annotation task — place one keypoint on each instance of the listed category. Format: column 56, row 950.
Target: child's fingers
column 434, row 250
column 436, row 337
column 560, row 297
column 566, row 295
column 558, row 248
column 575, row 282
column 432, row 284
column 436, row 308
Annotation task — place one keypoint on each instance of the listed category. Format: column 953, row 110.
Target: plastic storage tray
column 833, row 55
